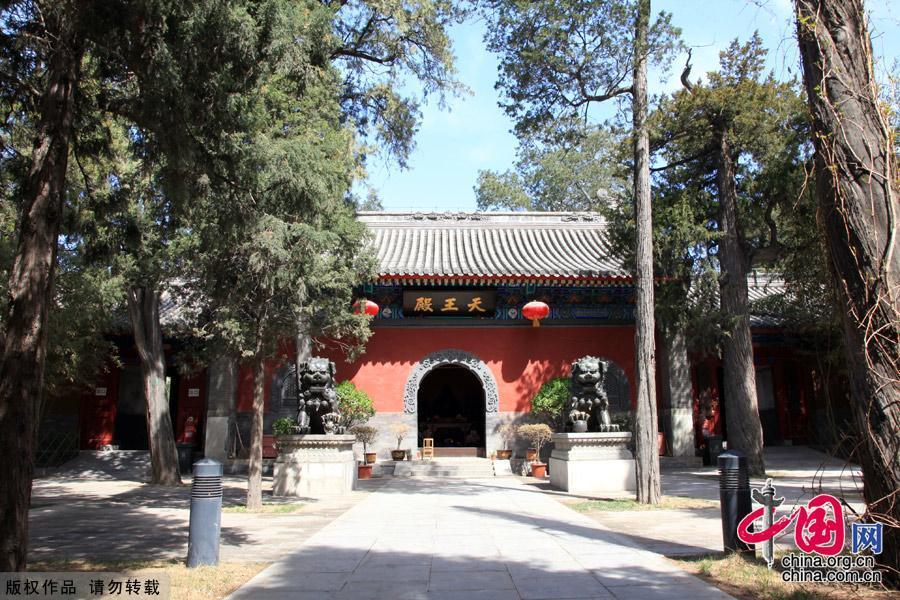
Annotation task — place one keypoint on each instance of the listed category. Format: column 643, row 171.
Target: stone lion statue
column 588, row 403
column 317, row 403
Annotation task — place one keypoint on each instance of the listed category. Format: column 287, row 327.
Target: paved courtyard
column 123, row 520
column 469, row 539
column 798, row 473
column 423, row 538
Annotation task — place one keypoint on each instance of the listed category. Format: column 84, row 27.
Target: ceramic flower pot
column 398, row 454
column 538, row 470
column 370, row 457
column 531, row 454
column 504, row 454
column 364, row 471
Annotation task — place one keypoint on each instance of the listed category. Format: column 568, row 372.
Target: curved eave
column 481, row 280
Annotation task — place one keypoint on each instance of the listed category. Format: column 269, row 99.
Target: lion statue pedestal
column 314, row 465
column 592, row 462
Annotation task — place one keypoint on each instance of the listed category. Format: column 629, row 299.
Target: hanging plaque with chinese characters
column 449, row 303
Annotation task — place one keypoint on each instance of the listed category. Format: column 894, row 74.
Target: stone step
column 471, row 469
column 452, row 469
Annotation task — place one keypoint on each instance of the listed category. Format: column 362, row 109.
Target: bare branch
column 686, row 73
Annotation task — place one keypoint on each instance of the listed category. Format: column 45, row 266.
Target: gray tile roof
column 176, row 313
column 518, row 246
column 761, row 286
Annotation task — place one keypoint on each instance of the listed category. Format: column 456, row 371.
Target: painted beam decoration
column 449, row 303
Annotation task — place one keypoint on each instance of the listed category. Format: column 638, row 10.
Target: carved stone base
column 314, row 465
column 592, row 462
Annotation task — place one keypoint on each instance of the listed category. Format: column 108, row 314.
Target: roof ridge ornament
column 447, row 216
column 587, row 217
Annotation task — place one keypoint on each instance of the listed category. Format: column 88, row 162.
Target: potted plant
column 365, row 434
column 537, row 435
column 399, row 431
column 507, row 433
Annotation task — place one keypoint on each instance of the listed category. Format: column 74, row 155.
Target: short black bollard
column 734, row 496
column 185, row 453
column 206, row 513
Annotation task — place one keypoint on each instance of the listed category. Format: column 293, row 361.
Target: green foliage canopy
column 768, row 131
column 557, row 59
column 575, row 174
column 378, row 47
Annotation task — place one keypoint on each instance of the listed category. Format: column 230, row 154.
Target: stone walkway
column 469, row 539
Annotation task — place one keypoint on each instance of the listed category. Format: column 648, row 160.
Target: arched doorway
column 451, row 357
column 451, row 410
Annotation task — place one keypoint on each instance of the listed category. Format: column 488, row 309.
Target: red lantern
column 535, row 311
column 366, row 306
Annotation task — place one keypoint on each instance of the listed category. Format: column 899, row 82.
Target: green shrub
column 625, row 420
column 355, row 405
column 549, row 404
column 283, row 426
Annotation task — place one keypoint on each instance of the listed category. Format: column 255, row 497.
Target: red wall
column 98, row 413
column 191, row 406
column 520, row 358
column 245, row 385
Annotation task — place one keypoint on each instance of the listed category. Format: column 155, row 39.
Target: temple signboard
column 449, row 303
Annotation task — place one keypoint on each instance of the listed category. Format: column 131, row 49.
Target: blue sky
column 472, row 133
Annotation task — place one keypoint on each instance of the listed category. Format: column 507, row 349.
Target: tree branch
column 354, row 53
column 686, row 74
column 683, row 161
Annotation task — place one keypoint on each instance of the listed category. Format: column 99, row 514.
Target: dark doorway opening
column 451, row 411
column 131, row 413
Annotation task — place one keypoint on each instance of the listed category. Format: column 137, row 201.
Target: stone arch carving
column 283, row 391
column 450, row 357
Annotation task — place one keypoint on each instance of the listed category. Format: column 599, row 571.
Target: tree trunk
column 143, row 308
column 741, row 410
column 254, row 475
column 858, row 191
column 646, row 427
column 303, row 342
column 677, row 378
column 31, row 289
